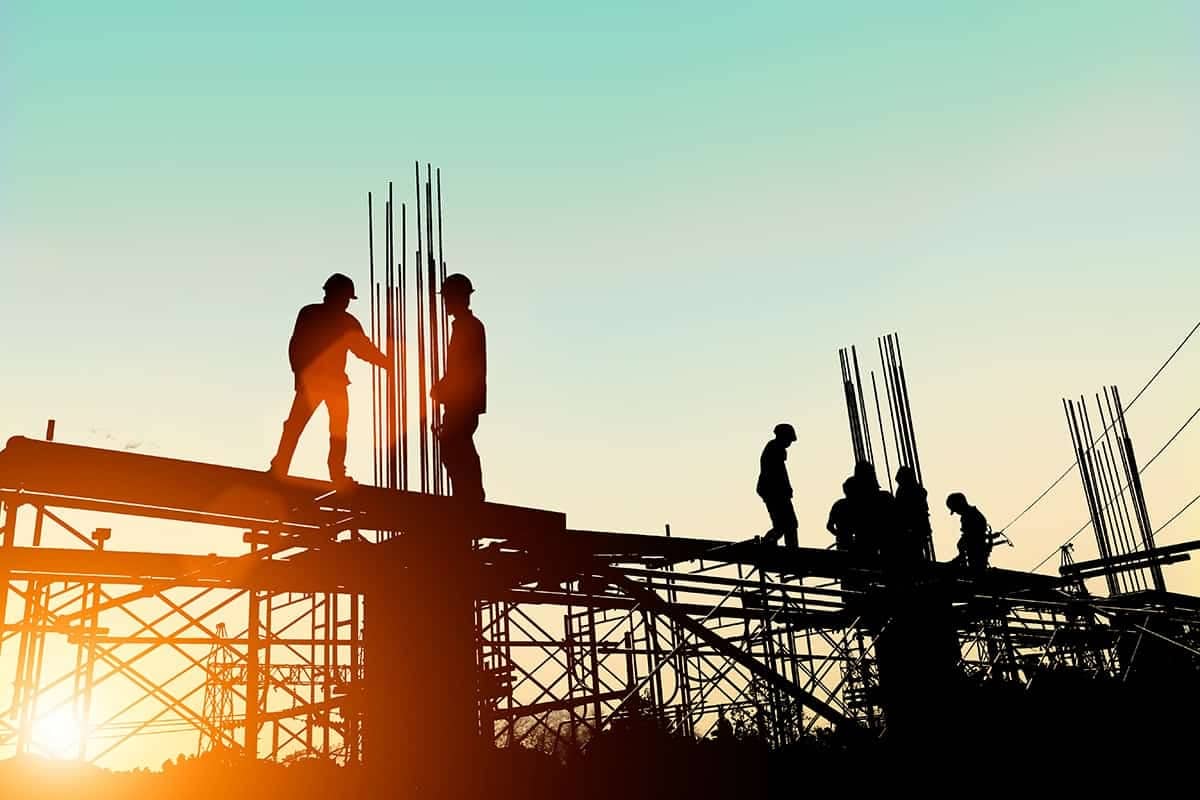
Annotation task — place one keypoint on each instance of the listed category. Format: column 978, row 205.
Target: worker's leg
column 449, row 447
column 459, row 455
column 977, row 557
column 472, row 470
column 468, row 483
column 961, row 559
column 772, row 535
column 783, row 521
column 791, row 529
column 302, row 410
column 337, row 403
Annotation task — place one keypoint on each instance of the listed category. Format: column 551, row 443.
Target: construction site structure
column 405, row 630
column 477, row 625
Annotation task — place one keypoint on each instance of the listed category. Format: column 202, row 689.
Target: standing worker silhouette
column 912, row 512
column 324, row 333
column 841, row 518
column 462, row 391
column 873, row 513
column 776, row 490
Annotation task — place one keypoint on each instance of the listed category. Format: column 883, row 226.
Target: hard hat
column 785, row 431
column 457, row 284
column 956, row 501
column 340, row 284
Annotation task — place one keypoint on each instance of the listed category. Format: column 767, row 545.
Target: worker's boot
column 287, row 448
column 337, row 462
column 279, row 465
column 338, row 476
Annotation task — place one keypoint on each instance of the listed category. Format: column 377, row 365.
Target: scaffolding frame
column 264, row 651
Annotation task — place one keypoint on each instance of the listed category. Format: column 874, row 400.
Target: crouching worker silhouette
column 462, row 391
column 324, row 333
column 776, row 490
column 975, row 543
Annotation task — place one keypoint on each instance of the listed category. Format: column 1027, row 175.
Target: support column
column 421, row 728
column 918, row 654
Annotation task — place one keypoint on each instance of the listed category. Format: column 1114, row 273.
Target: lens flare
column 58, row 734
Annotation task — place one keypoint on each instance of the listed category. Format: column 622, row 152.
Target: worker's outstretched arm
column 361, row 346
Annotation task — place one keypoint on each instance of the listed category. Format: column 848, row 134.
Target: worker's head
column 864, row 475
column 456, row 293
column 957, row 503
column 339, row 290
column 848, row 487
column 785, row 433
column 906, row 476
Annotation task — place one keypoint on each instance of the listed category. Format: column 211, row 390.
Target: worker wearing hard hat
column 975, row 543
column 462, row 391
column 324, row 333
column 775, row 489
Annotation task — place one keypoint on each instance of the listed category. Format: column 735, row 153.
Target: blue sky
column 674, row 216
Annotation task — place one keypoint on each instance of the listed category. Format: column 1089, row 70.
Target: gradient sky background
column 674, row 216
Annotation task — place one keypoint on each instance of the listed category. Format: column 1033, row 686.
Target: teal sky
column 674, row 216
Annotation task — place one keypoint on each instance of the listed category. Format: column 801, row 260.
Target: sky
column 673, row 214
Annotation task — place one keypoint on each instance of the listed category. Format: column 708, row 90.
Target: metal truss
column 118, row 663
column 266, row 650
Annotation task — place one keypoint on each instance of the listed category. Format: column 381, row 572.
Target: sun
column 58, row 734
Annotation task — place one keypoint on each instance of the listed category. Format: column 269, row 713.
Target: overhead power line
column 1178, row 513
column 1128, row 406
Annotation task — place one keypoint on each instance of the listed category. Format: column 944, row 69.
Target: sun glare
column 58, row 734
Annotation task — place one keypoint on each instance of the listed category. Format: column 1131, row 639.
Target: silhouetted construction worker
column 975, row 543
column 841, row 518
column 912, row 515
column 872, row 510
column 776, row 490
column 324, row 333
column 462, row 391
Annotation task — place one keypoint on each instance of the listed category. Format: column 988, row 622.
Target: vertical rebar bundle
column 895, row 393
column 391, row 306
column 896, row 390
column 376, row 450
column 895, row 385
column 860, row 431
column 432, row 285
column 1112, row 488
